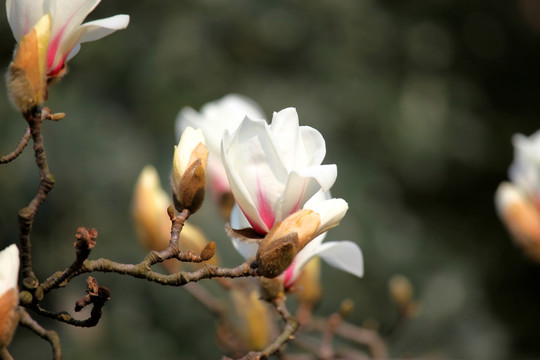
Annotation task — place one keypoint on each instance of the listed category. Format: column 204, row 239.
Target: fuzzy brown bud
column 208, row 252
column 279, row 247
column 189, row 171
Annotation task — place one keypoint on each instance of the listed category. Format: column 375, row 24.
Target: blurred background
column 417, row 101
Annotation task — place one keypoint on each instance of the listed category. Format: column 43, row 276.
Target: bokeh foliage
column 417, row 101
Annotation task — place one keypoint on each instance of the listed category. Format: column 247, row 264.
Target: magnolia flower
column 274, row 169
column 67, row 31
column 518, row 202
column 9, row 295
column 189, row 170
column 275, row 174
column 214, row 119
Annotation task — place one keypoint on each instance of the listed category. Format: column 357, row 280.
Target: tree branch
column 19, row 149
column 35, row 118
column 49, row 335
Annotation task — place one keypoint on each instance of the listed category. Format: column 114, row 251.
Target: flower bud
column 189, row 170
column 279, row 247
column 27, row 75
column 401, row 290
column 149, row 211
column 253, row 319
column 308, row 284
column 153, row 225
column 9, row 295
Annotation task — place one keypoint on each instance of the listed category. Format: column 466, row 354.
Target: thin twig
column 19, row 149
column 96, row 295
column 360, row 335
column 86, row 240
column 49, row 335
column 35, row 118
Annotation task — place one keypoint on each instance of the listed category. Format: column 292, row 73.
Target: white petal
column 344, row 255
column 255, row 172
column 9, row 268
column 217, row 116
column 74, row 52
column 302, row 184
column 301, row 259
column 247, row 250
column 286, row 132
column 314, row 144
column 23, row 15
column 239, row 221
column 190, row 139
column 95, row 30
column 331, row 212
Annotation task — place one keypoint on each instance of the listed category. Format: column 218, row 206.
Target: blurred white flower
column 214, row 118
column 518, row 202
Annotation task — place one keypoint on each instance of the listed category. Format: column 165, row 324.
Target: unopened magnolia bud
column 149, row 211
column 401, row 290
column 253, row 319
column 192, row 238
column 308, row 285
column 26, row 78
column 279, row 247
column 191, row 189
column 346, row 307
column 304, row 223
column 276, row 256
column 208, row 252
column 189, row 170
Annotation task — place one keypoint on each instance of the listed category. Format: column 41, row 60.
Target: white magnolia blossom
column 274, row 170
column 67, row 30
column 9, row 268
column 214, row 119
column 524, row 171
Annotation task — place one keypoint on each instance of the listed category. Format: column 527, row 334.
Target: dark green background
column 417, row 101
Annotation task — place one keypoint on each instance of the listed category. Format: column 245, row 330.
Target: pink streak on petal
column 54, row 45
column 264, row 208
column 288, row 279
column 297, row 205
column 254, row 224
